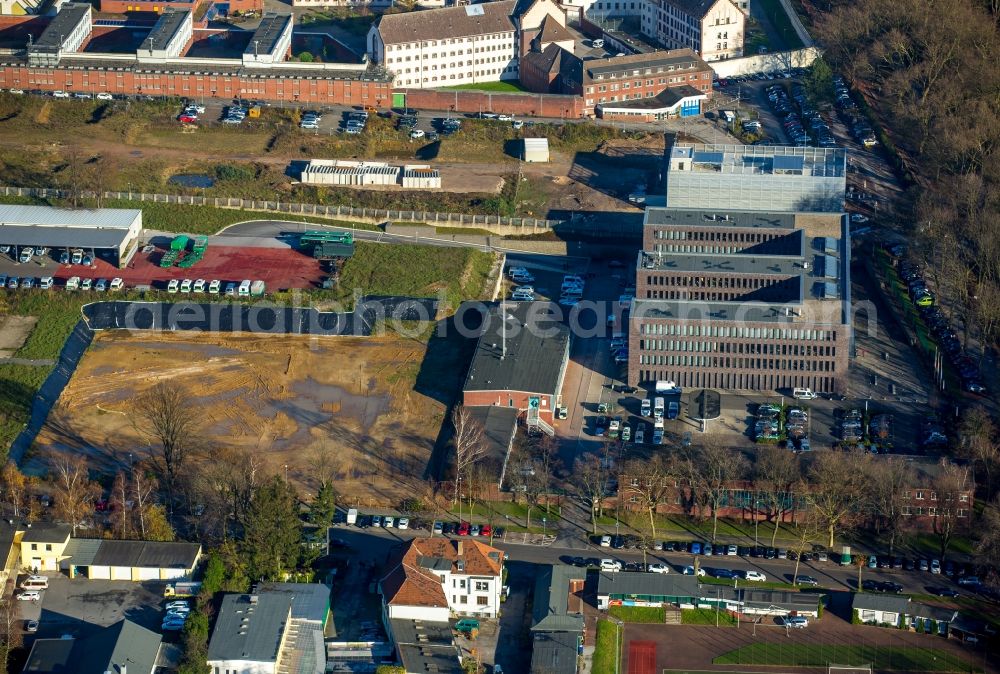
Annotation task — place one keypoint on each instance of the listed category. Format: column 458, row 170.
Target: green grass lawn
column 416, row 271
column 18, row 385
column 503, row 87
column 891, row 658
column 639, row 614
column 607, row 644
column 706, row 616
column 498, row 512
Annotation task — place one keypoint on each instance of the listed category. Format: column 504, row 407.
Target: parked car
column 658, row 568
column 755, row 576
column 803, row 579
column 798, row 622
column 612, row 565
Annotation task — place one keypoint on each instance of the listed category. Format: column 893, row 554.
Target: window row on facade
column 739, row 348
column 742, row 282
column 715, row 235
column 932, row 511
column 713, row 330
column 741, row 381
column 423, row 57
column 445, row 43
column 779, row 364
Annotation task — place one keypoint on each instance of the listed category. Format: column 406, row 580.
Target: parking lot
column 76, row 606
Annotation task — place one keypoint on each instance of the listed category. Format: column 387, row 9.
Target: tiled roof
column 410, row 582
column 447, row 22
column 409, row 585
column 695, row 8
column 553, row 31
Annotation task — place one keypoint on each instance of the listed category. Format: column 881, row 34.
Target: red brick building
column 520, row 361
column 198, row 80
column 647, row 86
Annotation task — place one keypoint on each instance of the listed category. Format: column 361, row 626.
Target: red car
column 187, row 119
column 463, row 529
column 486, row 530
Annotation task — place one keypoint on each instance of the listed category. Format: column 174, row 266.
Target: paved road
column 375, row 543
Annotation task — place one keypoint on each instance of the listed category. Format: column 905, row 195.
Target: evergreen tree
column 324, row 506
column 272, row 531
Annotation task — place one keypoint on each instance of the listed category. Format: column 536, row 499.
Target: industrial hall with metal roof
column 110, row 233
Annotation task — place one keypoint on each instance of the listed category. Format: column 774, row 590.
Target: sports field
column 882, row 658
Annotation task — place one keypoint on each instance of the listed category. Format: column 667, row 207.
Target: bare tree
column 168, row 419
column 775, row 474
column 75, row 493
column 888, row 483
column 469, row 442
column 988, row 546
column 121, row 502
column 978, row 443
column 11, row 636
column 648, row 483
column 808, row 528
column 835, row 490
column 591, row 478
column 951, row 485
column 712, row 468
column 142, row 489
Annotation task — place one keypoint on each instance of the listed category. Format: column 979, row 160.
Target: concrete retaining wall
column 766, row 63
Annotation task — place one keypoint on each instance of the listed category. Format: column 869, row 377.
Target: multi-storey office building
column 758, row 178
column 741, row 300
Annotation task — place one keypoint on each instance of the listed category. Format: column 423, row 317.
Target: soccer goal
column 849, row 669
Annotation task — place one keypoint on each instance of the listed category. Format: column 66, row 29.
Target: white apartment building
column 435, row 578
column 714, row 29
column 444, row 47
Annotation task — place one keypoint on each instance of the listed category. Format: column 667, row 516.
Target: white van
column 658, row 405
column 803, row 394
column 73, row 283
column 244, row 288
column 35, row 583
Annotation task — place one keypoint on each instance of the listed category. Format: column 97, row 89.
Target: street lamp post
column 544, row 530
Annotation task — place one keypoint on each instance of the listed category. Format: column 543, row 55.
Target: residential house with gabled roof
column 43, row 545
column 432, row 579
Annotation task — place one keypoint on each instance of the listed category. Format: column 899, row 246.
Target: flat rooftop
column 736, row 264
column 68, row 18
column 764, row 160
column 696, row 217
column 808, row 313
column 526, row 356
column 166, row 29
column 265, row 38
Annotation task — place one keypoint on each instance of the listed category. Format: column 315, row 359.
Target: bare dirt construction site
column 287, row 398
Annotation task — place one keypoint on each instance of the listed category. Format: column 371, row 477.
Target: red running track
column 642, row 657
column 279, row 268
